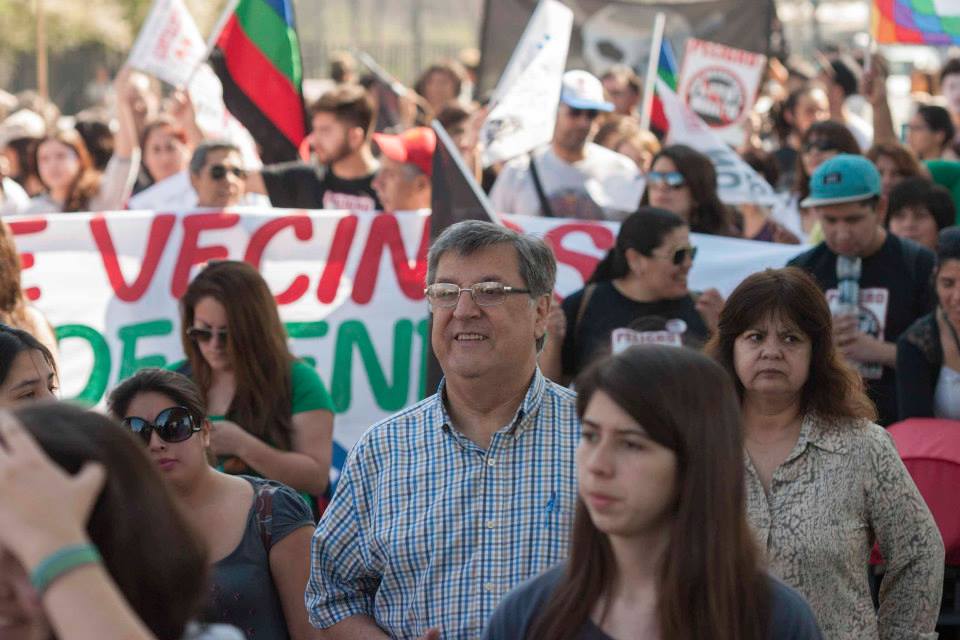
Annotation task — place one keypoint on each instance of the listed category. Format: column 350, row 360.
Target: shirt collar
column 522, row 420
column 821, row 433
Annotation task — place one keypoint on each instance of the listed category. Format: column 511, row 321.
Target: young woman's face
column 210, row 321
column 815, row 151
column 772, row 358
column 890, row 174
column 30, row 378
column 164, row 154
column 57, row 164
column 948, row 289
column 672, row 197
column 660, row 271
column 627, row 480
column 180, row 463
column 915, row 223
column 922, row 140
column 21, row 614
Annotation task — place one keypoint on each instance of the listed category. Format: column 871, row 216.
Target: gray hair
column 538, row 267
column 199, row 159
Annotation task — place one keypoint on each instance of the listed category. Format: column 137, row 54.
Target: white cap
column 582, row 90
column 22, row 124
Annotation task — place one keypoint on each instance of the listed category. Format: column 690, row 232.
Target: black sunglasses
column 219, row 172
column 820, row 145
column 198, row 334
column 174, row 424
column 680, row 255
column 590, row 113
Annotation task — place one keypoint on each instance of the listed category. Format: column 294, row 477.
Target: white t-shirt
column 176, row 194
column 14, row 199
column 605, row 185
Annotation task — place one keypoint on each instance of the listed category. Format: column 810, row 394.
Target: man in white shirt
column 571, row 177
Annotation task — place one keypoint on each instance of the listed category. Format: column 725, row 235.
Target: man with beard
column 343, row 176
column 571, row 177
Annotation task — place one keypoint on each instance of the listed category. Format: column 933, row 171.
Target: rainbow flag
column 666, row 71
column 257, row 57
column 929, row 22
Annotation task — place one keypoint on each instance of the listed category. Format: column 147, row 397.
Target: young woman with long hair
column 271, row 415
column 14, row 310
column 28, row 370
column 661, row 548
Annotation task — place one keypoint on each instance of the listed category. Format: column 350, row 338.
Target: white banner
column 737, row 182
column 169, row 45
column 720, row 84
column 526, row 98
column 349, row 287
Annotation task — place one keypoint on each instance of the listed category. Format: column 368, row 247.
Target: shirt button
column 489, row 588
column 491, row 524
column 491, row 461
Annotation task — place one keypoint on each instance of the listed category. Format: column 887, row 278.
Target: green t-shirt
column 946, row 173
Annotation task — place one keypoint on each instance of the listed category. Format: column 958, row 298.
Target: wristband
column 60, row 563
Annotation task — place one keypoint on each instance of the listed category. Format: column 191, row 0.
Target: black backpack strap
column 545, row 209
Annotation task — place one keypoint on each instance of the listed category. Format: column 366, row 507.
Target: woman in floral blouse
column 824, row 483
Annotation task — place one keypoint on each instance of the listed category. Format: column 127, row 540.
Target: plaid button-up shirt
column 428, row 529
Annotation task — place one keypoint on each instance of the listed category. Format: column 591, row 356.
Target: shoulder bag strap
column 545, row 208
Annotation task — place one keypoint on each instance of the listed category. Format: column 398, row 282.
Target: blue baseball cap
column 582, row 90
column 843, row 178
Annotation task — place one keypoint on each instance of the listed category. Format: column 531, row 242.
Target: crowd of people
column 733, row 487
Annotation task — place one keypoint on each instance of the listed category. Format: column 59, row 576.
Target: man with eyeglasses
column 572, row 177
column 446, row 506
column 217, row 174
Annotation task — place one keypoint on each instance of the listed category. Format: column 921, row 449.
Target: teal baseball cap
column 843, row 178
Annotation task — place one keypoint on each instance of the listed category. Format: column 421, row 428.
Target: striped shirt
column 428, row 529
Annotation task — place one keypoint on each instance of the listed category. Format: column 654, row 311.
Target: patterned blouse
column 842, row 488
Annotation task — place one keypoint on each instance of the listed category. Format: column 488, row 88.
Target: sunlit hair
column 256, row 346
column 843, row 142
column 86, row 183
column 906, row 163
column 710, row 583
column 833, row 389
column 157, row 124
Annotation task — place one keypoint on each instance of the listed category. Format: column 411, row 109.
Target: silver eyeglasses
column 445, row 295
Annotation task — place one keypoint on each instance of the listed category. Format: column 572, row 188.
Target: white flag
column 213, row 118
column 737, row 182
column 169, row 45
column 526, row 98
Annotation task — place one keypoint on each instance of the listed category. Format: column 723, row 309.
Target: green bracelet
column 60, row 563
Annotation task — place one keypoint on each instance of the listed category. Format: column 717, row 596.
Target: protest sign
column 737, row 182
column 349, row 287
column 720, row 84
column 169, row 45
column 526, row 98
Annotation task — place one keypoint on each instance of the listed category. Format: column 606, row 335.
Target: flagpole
column 653, row 63
column 43, row 84
column 212, row 39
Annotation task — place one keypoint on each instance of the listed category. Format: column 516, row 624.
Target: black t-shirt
column 790, row 615
column 895, row 290
column 608, row 309
column 298, row 185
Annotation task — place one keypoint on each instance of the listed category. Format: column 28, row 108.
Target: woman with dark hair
column 28, row 370
column 644, row 274
column 661, row 547
column 440, row 84
column 257, row 532
column 928, row 353
column 824, row 483
column 930, row 133
column 684, row 181
column 895, row 163
column 918, row 210
column 271, row 415
column 804, row 106
column 92, row 545
column 14, row 310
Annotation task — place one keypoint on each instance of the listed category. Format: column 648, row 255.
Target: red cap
column 413, row 146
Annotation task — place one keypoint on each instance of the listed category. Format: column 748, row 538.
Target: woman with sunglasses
column 644, row 274
column 256, row 532
column 660, row 546
column 271, row 414
column 684, row 181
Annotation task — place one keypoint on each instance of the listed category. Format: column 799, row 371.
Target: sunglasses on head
column 219, row 172
column 680, row 255
column 174, row 424
column 672, row 179
column 590, row 113
column 820, row 145
column 199, row 334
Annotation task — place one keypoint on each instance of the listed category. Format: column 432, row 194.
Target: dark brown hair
column 86, row 184
column 257, row 347
column 156, row 560
column 158, row 123
column 709, row 215
column 843, row 142
column 907, row 164
column 710, row 583
column 175, row 386
column 13, row 308
column 833, row 389
column 14, row 341
column 351, row 105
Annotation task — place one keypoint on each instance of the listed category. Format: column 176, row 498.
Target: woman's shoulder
column 308, row 390
column 791, row 617
column 924, row 334
column 518, row 609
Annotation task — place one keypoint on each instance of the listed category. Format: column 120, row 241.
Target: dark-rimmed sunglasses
column 199, row 334
column 822, row 145
column 446, row 295
column 680, row 255
column 174, row 424
column 590, row 113
column 671, row 179
column 219, row 172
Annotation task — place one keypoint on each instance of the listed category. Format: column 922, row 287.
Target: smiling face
column 491, row 342
column 627, row 480
column 948, row 289
column 675, row 198
column 664, row 278
column 57, row 164
column 29, row 378
column 772, row 358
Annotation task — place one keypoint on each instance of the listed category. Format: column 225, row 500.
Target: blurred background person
column 19, row 135
column 439, row 84
column 895, row 163
column 14, row 308
column 930, row 133
column 623, row 134
column 802, row 108
column 623, row 86
column 919, row 210
column 217, row 174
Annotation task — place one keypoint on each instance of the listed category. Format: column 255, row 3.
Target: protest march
column 627, row 321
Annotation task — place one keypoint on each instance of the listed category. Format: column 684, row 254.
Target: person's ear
column 356, row 137
column 205, row 433
column 635, row 260
column 194, row 181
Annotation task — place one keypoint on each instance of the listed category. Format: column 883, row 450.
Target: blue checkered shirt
column 428, row 529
